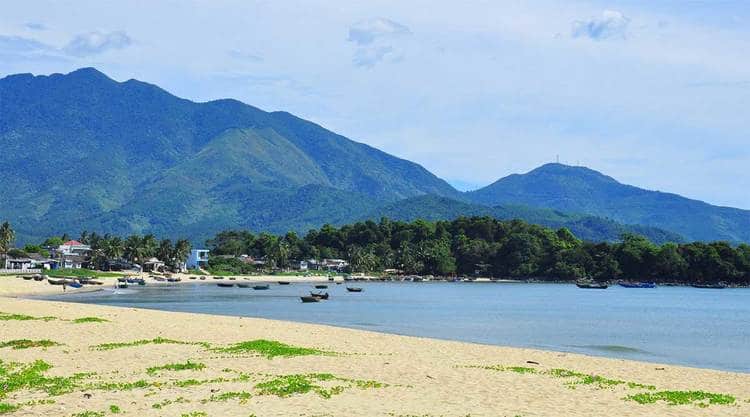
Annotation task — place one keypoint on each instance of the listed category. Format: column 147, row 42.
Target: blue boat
column 628, row 284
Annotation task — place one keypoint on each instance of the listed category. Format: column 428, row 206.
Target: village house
column 198, row 259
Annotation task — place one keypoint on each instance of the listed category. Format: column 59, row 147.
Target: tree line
column 481, row 246
column 489, row 247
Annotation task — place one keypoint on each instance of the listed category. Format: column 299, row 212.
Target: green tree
column 7, row 237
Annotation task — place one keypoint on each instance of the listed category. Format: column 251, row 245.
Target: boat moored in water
column 717, row 286
column 591, row 285
column 309, row 299
column 354, row 289
column 225, row 284
column 322, row 296
column 630, row 284
column 262, row 287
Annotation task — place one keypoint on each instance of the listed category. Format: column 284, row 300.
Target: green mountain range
column 582, row 190
column 84, row 152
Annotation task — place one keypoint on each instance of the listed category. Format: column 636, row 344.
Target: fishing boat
column 193, row 278
column 94, row 282
column 232, row 278
column 160, row 279
column 140, row 281
column 174, row 279
column 354, row 289
column 39, row 277
column 630, row 284
column 243, row 285
column 202, row 278
column 122, row 285
column 310, row 299
column 591, row 285
column 284, row 283
column 122, row 279
column 27, row 277
column 225, row 284
column 53, row 281
column 717, row 286
column 262, row 287
column 322, row 296
column 321, row 287
column 75, row 285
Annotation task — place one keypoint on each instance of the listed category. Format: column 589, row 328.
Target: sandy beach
column 153, row 363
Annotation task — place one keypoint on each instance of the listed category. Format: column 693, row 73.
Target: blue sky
column 655, row 94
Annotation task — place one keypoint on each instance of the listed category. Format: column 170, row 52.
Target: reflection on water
column 695, row 327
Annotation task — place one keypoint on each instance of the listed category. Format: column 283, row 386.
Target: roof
column 72, row 243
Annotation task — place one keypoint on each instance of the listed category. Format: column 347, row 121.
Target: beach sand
column 360, row 374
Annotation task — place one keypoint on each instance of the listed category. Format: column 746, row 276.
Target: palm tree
column 165, row 252
column 7, row 236
column 133, row 249
column 181, row 251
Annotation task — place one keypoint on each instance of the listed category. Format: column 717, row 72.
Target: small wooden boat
column 243, row 285
column 321, row 287
column 717, row 286
column 310, row 299
column 140, row 281
column 132, row 280
column 202, row 278
column 39, row 277
column 591, row 285
column 122, row 285
column 122, row 279
column 322, row 296
column 354, row 289
column 160, row 279
column 629, row 284
column 53, row 281
column 262, row 287
column 174, row 279
column 331, row 279
column 193, row 278
column 94, row 282
column 225, row 284
column 27, row 277
column 232, row 278
column 218, row 277
column 283, row 282
column 75, row 285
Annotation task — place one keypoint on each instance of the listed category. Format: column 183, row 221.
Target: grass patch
column 271, row 349
column 90, row 320
column 122, row 386
column 187, row 366
column 156, row 341
column 8, row 408
column 287, row 385
column 114, row 409
column 27, row 344
column 15, row 376
column 23, row 317
column 89, row 414
column 195, row 414
column 80, row 273
column 243, row 396
column 700, row 398
column 162, row 404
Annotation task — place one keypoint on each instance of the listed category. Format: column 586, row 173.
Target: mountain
column 583, row 190
column 82, row 151
column 592, row 228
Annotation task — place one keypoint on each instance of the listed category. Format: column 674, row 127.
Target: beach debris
column 87, row 395
column 533, row 362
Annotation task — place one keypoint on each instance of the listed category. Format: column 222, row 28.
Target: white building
column 198, row 259
column 73, row 247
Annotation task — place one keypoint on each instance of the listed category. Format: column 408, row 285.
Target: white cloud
column 611, row 24
column 35, row 26
column 368, row 31
column 94, row 43
column 375, row 40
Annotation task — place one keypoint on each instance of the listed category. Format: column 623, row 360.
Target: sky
column 653, row 93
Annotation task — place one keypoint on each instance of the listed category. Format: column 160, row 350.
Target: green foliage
column 6, row 408
column 88, row 414
column 287, row 385
column 195, row 414
column 79, row 273
column 81, row 320
column 699, row 398
column 242, row 396
column 162, row 404
column 228, row 266
column 26, row 344
column 187, row 366
column 114, row 409
column 16, row 376
column 23, row 317
column 155, row 341
column 270, row 349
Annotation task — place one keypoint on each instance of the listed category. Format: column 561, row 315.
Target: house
column 153, row 265
column 198, row 259
column 334, row 264
column 73, row 247
column 73, row 261
column 21, row 264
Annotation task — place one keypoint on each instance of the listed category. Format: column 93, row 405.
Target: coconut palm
column 7, row 236
column 165, row 252
column 181, row 251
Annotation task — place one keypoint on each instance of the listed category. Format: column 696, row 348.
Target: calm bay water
column 695, row 327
